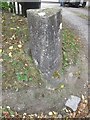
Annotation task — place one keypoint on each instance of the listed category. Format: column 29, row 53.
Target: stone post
column 45, row 43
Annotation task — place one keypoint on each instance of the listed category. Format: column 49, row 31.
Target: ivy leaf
column 62, row 86
column 30, row 79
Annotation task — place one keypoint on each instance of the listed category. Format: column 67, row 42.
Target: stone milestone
column 45, row 42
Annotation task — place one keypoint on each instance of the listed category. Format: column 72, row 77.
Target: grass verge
column 70, row 48
column 81, row 15
column 18, row 68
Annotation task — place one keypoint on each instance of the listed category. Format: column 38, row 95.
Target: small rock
column 59, row 116
column 73, row 102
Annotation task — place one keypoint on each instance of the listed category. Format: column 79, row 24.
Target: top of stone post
column 46, row 12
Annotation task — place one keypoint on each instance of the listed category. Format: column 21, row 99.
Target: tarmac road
column 77, row 18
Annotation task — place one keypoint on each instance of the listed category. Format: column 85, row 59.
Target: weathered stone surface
column 45, row 43
column 73, row 102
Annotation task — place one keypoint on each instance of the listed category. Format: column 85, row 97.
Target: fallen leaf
column 0, row 107
column 12, row 28
column 20, row 20
column 8, row 107
column 83, row 97
column 19, row 46
column 13, row 37
column 30, row 78
column 11, row 47
column 26, row 64
column 2, row 21
column 82, row 106
column 18, row 27
column 0, row 50
column 13, row 116
column 1, row 60
column 5, row 113
column 85, row 101
column 10, row 54
column 11, row 18
column 50, row 113
column 62, row 86
column 24, row 114
column 55, row 113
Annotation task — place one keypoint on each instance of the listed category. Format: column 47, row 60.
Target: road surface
column 77, row 18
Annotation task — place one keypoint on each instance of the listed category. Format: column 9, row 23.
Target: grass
column 81, row 15
column 19, row 70
column 70, row 48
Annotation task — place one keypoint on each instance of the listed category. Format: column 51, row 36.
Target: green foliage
column 70, row 49
column 22, row 77
column 19, row 69
column 5, row 6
